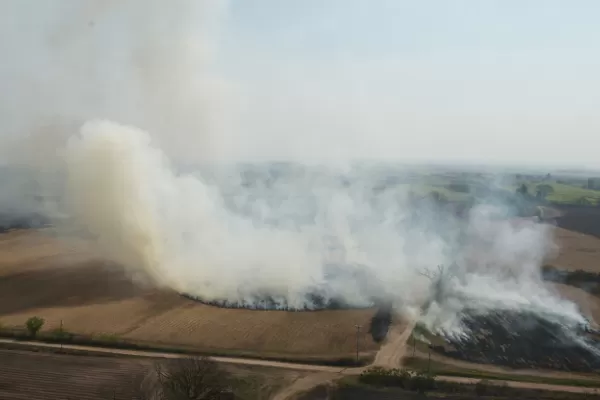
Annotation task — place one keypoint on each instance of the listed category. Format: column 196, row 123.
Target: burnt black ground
column 522, row 339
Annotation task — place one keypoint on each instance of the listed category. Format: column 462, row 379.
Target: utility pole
column 429, row 361
column 357, row 340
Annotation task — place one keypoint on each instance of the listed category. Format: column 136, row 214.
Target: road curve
column 325, row 371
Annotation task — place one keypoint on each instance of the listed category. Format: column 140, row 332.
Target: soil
column 67, row 284
column 519, row 339
column 580, row 219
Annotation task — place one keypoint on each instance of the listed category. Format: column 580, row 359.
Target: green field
column 561, row 193
column 566, row 194
column 450, row 195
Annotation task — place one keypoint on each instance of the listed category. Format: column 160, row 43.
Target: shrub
column 192, row 378
column 60, row 335
column 107, row 338
column 422, row 382
column 459, row 187
column 482, row 387
column 405, row 379
column 33, row 325
column 489, row 388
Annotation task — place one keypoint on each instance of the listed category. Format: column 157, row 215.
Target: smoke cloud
column 300, row 236
column 111, row 102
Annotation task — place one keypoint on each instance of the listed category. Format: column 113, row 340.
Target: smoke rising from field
column 139, row 79
column 285, row 233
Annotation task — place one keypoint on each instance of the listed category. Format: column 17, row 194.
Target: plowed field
column 577, row 251
column 33, row 376
column 48, row 376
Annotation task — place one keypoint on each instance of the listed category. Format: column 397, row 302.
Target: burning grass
column 41, row 276
column 522, row 339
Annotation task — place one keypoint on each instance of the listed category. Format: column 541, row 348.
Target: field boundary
column 446, row 376
column 18, row 335
column 436, row 367
column 449, row 386
column 95, row 351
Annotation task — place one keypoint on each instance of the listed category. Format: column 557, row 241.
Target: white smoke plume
column 238, row 233
column 283, row 238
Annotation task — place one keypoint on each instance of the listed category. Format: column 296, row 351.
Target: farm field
column 41, row 376
column 67, row 283
column 577, row 251
column 577, row 234
column 49, row 376
column 565, row 193
column 42, row 276
column 580, row 219
column 588, row 303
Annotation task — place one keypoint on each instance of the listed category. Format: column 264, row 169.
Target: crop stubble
column 57, row 280
column 40, row 275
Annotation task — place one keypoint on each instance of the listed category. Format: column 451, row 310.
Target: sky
column 500, row 82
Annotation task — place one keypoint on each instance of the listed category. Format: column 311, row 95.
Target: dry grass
column 322, row 332
column 40, row 275
column 588, row 303
column 576, row 251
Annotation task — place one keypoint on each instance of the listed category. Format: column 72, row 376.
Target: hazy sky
column 509, row 81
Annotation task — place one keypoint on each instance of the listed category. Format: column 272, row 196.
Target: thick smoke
column 290, row 232
column 286, row 235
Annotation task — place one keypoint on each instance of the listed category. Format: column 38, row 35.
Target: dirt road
column 391, row 353
column 496, row 369
column 323, row 374
column 153, row 354
column 523, row 385
column 389, row 356
column 305, row 384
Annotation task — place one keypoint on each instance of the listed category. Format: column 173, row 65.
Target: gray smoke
column 284, row 230
column 232, row 232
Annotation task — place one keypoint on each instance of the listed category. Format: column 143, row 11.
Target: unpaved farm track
column 65, row 284
column 497, row 369
column 389, row 355
column 392, row 351
column 322, row 374
column 305, row 384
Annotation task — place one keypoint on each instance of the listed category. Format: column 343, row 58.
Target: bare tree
column 431, row 275
column 145, row 386
column 437, row 279
column 441, row 286
column 194, row 378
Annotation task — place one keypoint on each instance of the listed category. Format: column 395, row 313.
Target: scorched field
column 67, row 283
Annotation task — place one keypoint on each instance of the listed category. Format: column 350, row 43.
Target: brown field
column 580, row 219
column 40, row 275
column 33, row 376
column 47, row 376
column 588, row 303
column 576, row 251
column 66, row 281
column 578, row 235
